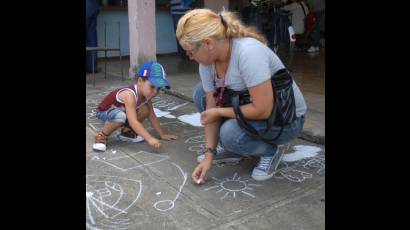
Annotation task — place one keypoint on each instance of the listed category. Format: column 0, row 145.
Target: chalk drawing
column 178, row 106
column 97, row 127
column 106, row 200
column 126, row 162
column 183, row 129
column 315, row 162
column 303, row 157
column 160, row 113
column 301, row 152
column 193, row 119
column 199, row 149
column 292, row 174
column 232, row 186
column 92, row 115
column 168, row 104
column 169, row 204
column 195, row 139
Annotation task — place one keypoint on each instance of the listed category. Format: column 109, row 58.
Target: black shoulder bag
column 284, row 108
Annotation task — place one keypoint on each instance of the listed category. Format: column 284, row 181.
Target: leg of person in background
column 175, row 19
column 91, row 12
column 316, row 32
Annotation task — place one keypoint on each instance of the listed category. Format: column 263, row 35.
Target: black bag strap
column 248, row 128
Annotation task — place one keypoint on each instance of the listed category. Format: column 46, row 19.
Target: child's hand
column 167, row 137
column 154, row 142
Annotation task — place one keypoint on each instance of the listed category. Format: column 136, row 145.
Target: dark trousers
column 91, row 35
column 175, row 19
column 316, row 31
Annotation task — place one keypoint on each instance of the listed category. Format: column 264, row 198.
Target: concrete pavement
column 131, row 186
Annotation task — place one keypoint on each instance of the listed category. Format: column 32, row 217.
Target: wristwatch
column 211, row 150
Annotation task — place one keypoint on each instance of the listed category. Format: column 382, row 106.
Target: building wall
column 165, row 35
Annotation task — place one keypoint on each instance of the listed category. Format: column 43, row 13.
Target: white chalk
column 198, row 181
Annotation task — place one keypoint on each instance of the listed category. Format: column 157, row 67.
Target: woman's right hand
column 154, row 142
column 198, row 175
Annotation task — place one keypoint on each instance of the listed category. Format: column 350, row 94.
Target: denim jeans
column 235, row 140
column 113, row 115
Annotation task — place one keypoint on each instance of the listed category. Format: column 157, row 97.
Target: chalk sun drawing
column 232, row 186
column 106, row 200
column 169, row 204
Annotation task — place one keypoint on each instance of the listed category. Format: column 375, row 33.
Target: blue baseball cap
column 154, row 72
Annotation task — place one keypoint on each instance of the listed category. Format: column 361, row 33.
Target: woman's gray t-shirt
column 252, row 63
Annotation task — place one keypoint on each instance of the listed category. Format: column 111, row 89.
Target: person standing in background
column 91, row 12
column 178, row 9
column 318, row 8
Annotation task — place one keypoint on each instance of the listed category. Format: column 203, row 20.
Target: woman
column 232, row 56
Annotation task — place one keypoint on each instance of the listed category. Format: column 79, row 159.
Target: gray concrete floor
column 131, row 186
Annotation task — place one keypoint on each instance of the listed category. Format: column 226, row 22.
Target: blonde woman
column 233, row 57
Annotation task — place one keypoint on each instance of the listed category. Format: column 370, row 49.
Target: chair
column 106, row 49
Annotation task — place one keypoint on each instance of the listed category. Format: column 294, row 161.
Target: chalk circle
column 233, row 186
column 169, row 203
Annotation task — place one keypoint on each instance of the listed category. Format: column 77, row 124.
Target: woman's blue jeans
column 235, row 140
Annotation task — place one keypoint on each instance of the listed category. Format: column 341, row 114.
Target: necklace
column 218, row 95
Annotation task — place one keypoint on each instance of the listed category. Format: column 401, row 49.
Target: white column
column 141, row 18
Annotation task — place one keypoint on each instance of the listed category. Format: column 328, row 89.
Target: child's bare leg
column 110, row 127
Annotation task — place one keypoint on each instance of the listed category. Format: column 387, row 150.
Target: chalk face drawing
column 197, row 144
column 107, row 201
column 295, row 165
column 165, row 205
column 125, row 162
column 233, row 186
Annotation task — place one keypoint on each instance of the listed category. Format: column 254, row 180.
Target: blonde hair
column 199, row 24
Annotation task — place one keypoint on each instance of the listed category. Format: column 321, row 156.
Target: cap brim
column 165, row 83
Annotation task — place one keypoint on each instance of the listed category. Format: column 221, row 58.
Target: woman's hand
column 209, row 116
column 198, row 175
column 154, row 142
column 167, row 137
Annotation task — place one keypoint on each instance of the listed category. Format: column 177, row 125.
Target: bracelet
column 211, row 150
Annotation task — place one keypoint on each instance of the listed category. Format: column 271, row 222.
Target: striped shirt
column 178, row 8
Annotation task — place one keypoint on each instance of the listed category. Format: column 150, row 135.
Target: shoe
column 267, row 167
column 313, row 49
column 222, row 156
column 129, row 135
column 100, row 142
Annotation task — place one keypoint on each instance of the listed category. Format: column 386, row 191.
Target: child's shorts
column 114, row 115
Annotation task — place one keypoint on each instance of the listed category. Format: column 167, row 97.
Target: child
column 127, row 107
